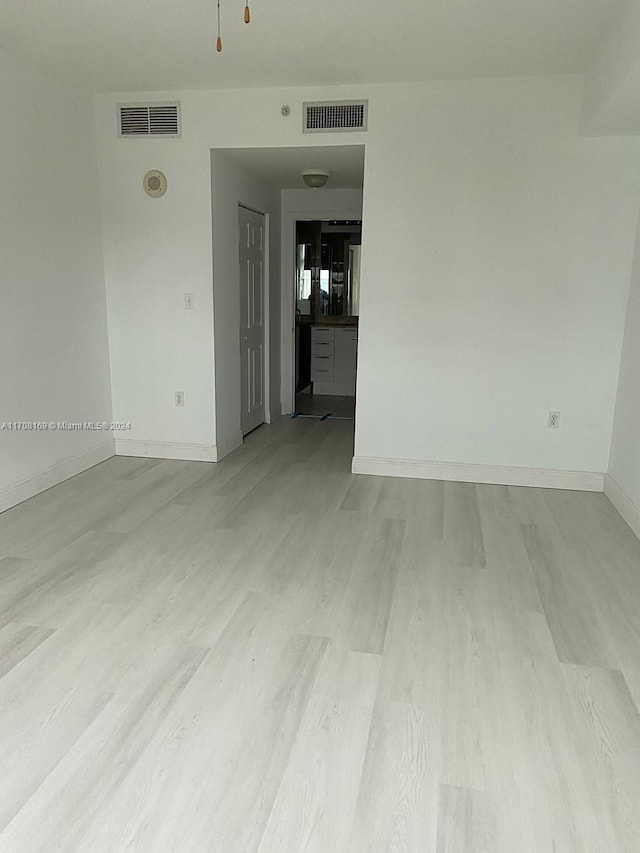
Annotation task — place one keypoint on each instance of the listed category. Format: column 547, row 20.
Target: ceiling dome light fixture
column 247, row 20
column 315, row 178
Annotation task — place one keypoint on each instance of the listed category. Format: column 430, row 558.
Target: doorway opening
column 327, row 295
column 254, row 381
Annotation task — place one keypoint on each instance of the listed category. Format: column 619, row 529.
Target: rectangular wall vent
column 149, row 119
column 335, row 116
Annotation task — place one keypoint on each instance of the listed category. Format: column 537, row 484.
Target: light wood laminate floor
column 270, row 655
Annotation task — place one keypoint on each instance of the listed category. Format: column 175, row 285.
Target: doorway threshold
column 324, row 406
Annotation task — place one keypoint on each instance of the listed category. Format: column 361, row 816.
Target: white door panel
column 251, row 264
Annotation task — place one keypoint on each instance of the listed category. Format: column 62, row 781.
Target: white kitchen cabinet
column 345, row 355
column 334, row 352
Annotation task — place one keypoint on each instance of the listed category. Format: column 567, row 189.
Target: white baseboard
column 166, row 450
column 623, row 503
column 584, row 481
column 178, row 450
column 25, row 489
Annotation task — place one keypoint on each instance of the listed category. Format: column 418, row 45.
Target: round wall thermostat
column 154, row 183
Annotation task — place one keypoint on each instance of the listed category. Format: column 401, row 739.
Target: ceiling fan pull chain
column 219, row 39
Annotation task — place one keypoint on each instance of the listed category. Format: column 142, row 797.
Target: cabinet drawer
column 321, row 374
column 322, row 363
column 322, row 347
column 320, row 334
column 346, row 336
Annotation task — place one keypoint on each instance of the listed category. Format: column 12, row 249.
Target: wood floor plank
column 632, row 677
column 394, row 497
column 609, row 723
column 249, row 754
column 239, row 819
column 474, row 744
column 416, row 645
column 315, row 804
column 38, row 730
column 316, row 573
column 579, row 628
column 63, row 807
column 397, row 801
column 364, row 614
column 462, row 525
column 466, row 821
column 552, row 750
column 39, row 594
column 507, row 558
column 17, row 642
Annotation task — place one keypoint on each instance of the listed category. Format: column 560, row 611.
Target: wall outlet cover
column 553, row 421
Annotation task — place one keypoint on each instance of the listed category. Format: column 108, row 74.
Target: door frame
column 288, row 294
column 266, row 307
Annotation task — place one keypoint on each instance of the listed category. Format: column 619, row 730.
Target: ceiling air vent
column 335, row 116
column 149, row 119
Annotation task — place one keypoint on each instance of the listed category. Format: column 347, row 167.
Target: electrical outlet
column 179, row 398
column 554, row 420
column 189, row 301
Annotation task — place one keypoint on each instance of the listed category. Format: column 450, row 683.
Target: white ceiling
column 165, row 44
column 281, row 167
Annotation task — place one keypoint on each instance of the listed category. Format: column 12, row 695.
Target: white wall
column 232, row 184
column 157, row 249
column 624, row 465
column 612, row 81
column 53, row 339
column 496, row 258
column 304, row 204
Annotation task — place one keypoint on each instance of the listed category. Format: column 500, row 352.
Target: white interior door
column 251, row 226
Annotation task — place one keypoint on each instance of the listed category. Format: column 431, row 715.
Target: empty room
column 320, row 427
